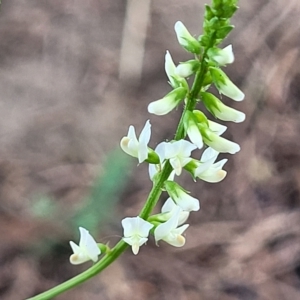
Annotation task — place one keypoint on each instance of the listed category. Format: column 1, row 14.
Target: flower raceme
column 168, row 225
column 136, row 231
column 86, row 250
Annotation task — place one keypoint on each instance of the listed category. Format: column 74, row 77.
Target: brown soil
column 63, row 112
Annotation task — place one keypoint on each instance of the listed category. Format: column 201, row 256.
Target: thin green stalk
column 84, row 276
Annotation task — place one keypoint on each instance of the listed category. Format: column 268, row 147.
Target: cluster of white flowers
column 169, row 224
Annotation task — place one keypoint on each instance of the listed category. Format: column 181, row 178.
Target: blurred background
column 73, row 76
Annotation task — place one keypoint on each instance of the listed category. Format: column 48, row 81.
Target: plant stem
column 84, row 276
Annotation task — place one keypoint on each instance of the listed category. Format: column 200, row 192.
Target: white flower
column 186, row 69
column 177, row 152
column 185, row 39
column 220, row 110
column 136, row 231
column 222, row 56
column 170, row 207
column 192, row 129
column 170, row 69
column 168, row 103
column 169, row 232
column 181, row 198
column 225, row 85
column 209, row 171
column 216, row 127
column 134, row 147
column 218, row 143
column 87, row 249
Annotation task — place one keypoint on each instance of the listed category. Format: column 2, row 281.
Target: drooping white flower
column 170, row 207
column 219, row 143
column 220, row 110
column 170, row 232
column 177, row 152
column 185, row 39
column 181, row 197
column 225, row 85
column 86, row 250
column 137, row 147
column 136, row 231
column 222, row 56
column 206, row 169
column 168, row 103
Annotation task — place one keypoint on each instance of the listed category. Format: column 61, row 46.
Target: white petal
column 186, row 202
column 170, row 206
column 222, row 145
column 209, row 154
column 162, row 106
column 232, row 91
column 182, row 34
column 144, row 137
column 152, row 170
column 89, row 244
column 136, row 226
column 176, row 239
column 195, row 136
column 170, row 68
column 125, row 146
column 225, row 56
column 215, row 173
column 216, row 127
column 184, row 70
column 226, row 113
column 164, row 229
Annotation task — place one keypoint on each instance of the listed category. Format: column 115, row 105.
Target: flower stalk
column 136, row 229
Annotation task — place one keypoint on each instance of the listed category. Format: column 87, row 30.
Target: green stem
column 84, row 276
column 153, row 197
